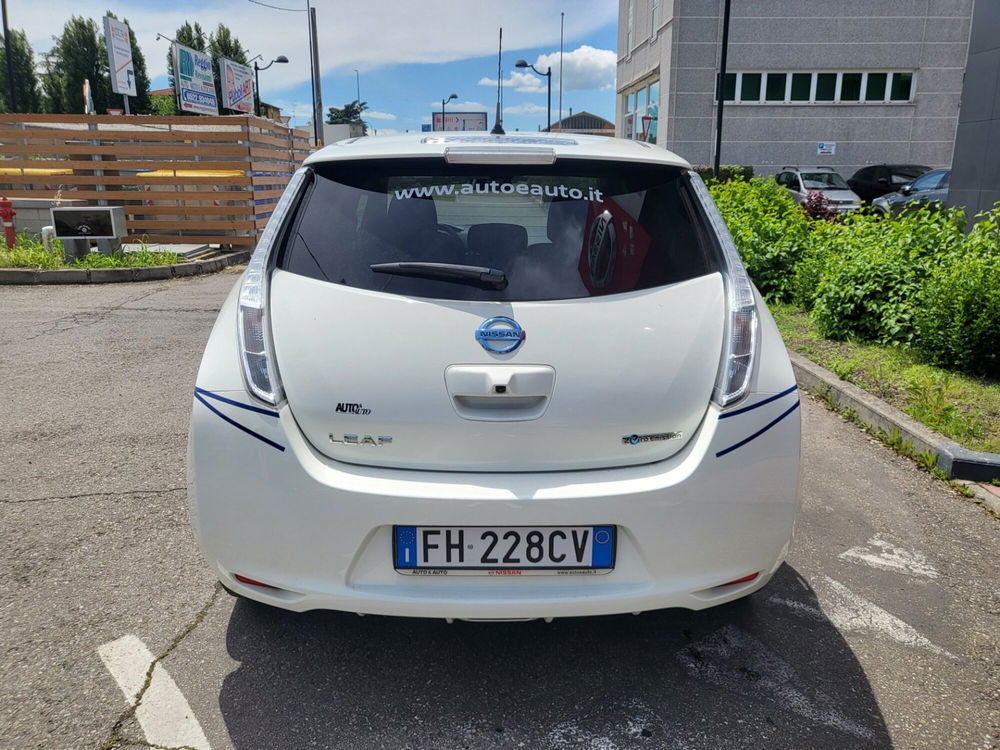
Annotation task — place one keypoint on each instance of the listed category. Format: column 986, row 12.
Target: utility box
column 89, row 222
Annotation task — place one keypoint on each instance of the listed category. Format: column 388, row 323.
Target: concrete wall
column 790, row 35
column 31, row 214
column 975, row 177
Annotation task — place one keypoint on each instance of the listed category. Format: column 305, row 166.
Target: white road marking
column 881, row 554
column 738, row 662
column 847, row 611
column 163, row 714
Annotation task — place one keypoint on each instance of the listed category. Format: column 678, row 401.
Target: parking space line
column 879, row 553
column 163, row 713
column 849, row 612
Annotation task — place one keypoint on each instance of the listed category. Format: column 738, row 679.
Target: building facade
column 842, row 84
column 975, row 176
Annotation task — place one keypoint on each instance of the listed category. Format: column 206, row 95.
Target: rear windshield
column 570, row 230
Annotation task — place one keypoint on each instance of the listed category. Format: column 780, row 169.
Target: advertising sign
column 116, row 39
column 195, row 81
column 460, row 121
column 237, row 85
column 826, row 149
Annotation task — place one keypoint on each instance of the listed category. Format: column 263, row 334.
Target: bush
column 769, row 229
column 868, row 271
column 958, row 309
column 817, row 206
column 727, row 172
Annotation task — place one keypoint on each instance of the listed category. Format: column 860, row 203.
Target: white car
column 801, row 181
column 494, row 377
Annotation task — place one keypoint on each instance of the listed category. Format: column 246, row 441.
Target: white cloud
column 525, row 109
column 373, row 34
column 525, row 83
column 376, row 115
column 585, row 68
column 454, row 106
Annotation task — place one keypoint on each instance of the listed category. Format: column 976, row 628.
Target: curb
column 116, row 275
column 954, row 460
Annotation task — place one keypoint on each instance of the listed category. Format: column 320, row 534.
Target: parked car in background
column 801, row 181
column 880, row 179
column 929, row 188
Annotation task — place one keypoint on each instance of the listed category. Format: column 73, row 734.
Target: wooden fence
column 181, row 179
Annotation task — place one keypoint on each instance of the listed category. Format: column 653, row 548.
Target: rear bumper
column 266, row 506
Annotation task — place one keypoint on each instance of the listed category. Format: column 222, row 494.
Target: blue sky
column 409, row 54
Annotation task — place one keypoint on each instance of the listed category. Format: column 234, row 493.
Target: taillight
column 740, row 342
column 256, row 353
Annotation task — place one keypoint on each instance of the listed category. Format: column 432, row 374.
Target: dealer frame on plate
column 504, row 550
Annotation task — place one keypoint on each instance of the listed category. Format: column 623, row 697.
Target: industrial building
column 844, row 84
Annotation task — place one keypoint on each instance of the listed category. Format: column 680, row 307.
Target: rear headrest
column 411, row 215
column 499, row 241
column 566, row 221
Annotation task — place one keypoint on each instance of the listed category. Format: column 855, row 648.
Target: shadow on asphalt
column 747, row 674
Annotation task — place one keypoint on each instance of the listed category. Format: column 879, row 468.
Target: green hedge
column 917, row 280
column 727, row 172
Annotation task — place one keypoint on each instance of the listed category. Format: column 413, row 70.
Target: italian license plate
column 503, row 550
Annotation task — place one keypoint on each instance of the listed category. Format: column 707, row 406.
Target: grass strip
column 961, row 407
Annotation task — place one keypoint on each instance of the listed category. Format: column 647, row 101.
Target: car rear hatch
column 587, row 333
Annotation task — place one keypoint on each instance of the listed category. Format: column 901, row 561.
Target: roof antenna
column 497, row 126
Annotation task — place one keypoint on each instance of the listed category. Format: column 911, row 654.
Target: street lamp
column 256, row 79
column 443, row 102
column 547, row 74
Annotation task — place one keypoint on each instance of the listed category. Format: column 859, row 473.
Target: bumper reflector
column 252, row 582
column 744, row 579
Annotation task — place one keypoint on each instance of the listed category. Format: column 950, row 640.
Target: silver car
column 801, row 181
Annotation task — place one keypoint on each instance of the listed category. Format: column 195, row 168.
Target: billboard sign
column 826, row 149
column 116, row 39
column 237, row 85
column 459, row 121
column 195, row 81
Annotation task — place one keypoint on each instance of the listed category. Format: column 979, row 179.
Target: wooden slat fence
column 180, row 179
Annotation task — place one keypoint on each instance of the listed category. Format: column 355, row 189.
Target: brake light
column 740, row 341
column 256, row 353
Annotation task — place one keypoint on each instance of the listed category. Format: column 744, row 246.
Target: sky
column 408, row 54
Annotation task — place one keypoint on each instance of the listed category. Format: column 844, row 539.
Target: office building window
column 850, row 87
column 641, row 112
column 630, row 28
column 654, row 15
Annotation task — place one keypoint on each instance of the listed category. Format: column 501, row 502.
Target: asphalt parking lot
column 881, row 631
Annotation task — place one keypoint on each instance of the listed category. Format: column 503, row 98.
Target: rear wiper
column 491, row 278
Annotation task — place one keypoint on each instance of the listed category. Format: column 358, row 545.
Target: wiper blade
column 492, row 278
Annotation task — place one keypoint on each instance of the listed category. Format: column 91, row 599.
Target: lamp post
column 256, row 79
column 443, row 102
column 547, row 74
column 357, row 76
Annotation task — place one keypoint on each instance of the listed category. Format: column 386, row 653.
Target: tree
column 349, row 113
column 139, row 104
column 189, row 36
column 25, row 80
column 52, row 100
column 222, row 43
column 78, row 57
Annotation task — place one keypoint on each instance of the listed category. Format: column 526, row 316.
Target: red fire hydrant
column 7, row 214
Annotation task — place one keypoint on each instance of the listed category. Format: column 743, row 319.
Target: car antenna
column 497, row 126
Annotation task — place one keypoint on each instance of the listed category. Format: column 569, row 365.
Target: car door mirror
column 906, row 189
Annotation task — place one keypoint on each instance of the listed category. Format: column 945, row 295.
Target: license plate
column 503, row 550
